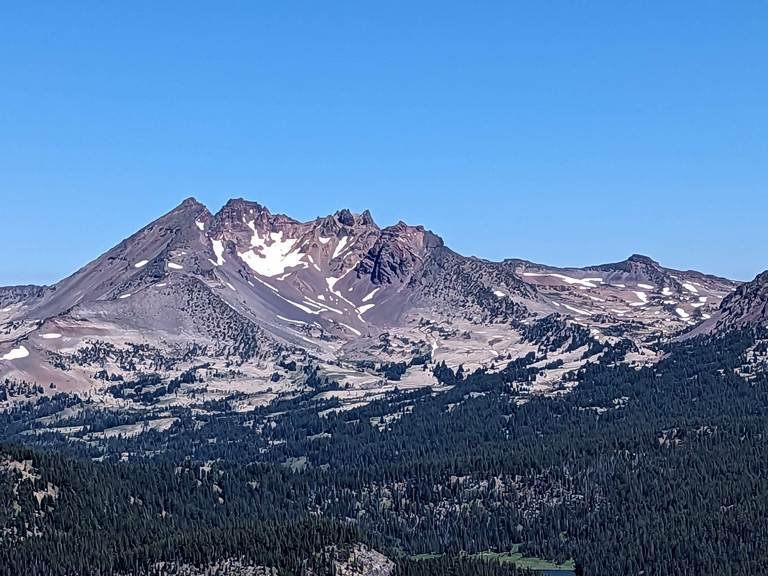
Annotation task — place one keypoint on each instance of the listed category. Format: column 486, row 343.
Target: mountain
column 251, row 301
column 746, row 306
column 638, row 296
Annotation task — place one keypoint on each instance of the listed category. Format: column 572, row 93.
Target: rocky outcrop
column 399, row 252
column 747, row 306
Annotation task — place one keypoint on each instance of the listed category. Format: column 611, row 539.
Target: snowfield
column 577, row 310
column 682, row 313
column 353, row 330
column 340, row 247
column 586, row 282
column 364, row 308
column 272, row 255
column 370, row 295
column 16, row 354
column 218, row 249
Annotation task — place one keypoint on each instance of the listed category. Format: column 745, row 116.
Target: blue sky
column 569, row 132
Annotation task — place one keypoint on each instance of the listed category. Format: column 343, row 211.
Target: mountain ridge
column 332, row 292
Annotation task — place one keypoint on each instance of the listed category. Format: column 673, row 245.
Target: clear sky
column 569, row 133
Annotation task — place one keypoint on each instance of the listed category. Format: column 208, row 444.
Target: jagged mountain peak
column 241, row 203
column 190, row 202
column 241, row 211
column 367, row 219
column 345, row 217
column 401, row 227
column 404, row 232
column 183, row 214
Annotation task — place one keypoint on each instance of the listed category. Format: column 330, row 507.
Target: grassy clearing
column 531, row 563
column 513, row 557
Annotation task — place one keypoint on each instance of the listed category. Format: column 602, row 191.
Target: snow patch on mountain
column 586, row 282
column 340, row 247
column 371, row 294
column 218, row 249
column 16, row 354
column 314, row 264
column 353, row 330
column 268, row 285
column 272, row 255
column 292, row 321
column 577, row 310
column 297, row 305
column 364, row 308
column 331, row 281
column 323, row 307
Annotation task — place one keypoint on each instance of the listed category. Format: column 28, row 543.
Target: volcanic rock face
column 246, row 288
column 398, row 252
column 10, row 295
column 746, row 306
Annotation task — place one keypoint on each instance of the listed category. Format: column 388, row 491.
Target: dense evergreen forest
column 657, row 470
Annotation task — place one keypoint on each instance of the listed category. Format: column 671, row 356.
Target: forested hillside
column 659, row 470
